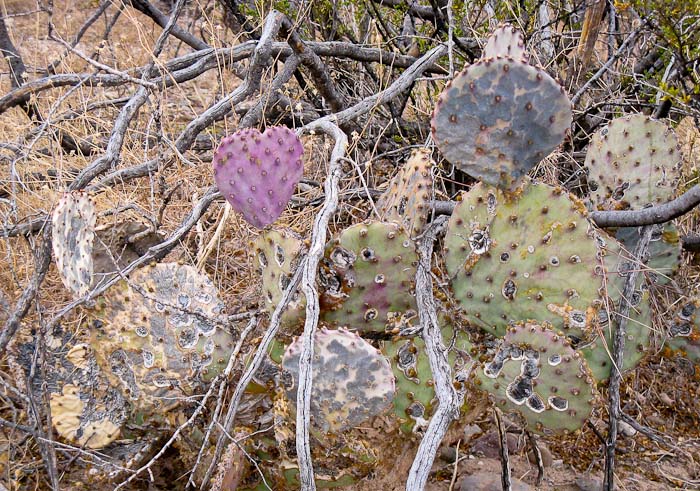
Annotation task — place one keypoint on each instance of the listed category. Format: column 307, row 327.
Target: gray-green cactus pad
column 632, row 162
column 72, row 237
column 685, row 330
column 498, row 118
column 367, row 278
column 537, row 373
column 277, row 253
column 352, row 380
column 664, row 252
column 162, row 335
column 537, row 259
column 406, row 201
column 505, row 41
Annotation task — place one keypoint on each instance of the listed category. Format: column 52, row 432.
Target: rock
column 587, row 483
column 490, row 481
column 547, row 458
column 487, row 445
column 471, row 431
column 626, row 429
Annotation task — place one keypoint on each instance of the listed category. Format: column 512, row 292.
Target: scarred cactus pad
column 257, row 173
column 505, row 41
column 352, row 380
column 73, row 234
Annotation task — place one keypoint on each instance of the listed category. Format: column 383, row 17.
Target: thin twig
column 503, row 450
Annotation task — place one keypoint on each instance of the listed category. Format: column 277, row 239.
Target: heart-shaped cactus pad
column 258, row 172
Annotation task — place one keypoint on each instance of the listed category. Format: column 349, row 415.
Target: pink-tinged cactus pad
column 257, row 172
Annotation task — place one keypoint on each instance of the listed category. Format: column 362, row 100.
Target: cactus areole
column 258, row 172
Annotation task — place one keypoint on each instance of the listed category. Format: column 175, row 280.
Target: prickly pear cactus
column 73, row 233
column 406, row 201
column 632, row 162
column 415, row 398
column 161, row 335
column 352, row 380
column 277, row 252
column 257, row 173
column 685, row 330
column 664, row 252
column 85, row 409
column 367, row 278
column 536, row 258
column 498, row 118
column 536, row 372
column 505, row 41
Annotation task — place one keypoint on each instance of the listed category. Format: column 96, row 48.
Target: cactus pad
column 506, row 41
column 85, row 409
column 500, row 117
column 632, row 162
column 277, row 253
column 367, row 278
column 73, row 234
column 257, row 173
column 162, row 334
column 537, row 260
column 537, row 373
column 664, row 252
column 352, row 380
column 685, row 330
column 406, row 201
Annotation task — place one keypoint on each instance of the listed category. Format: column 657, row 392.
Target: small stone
column 489, row 481
column 587, row 483
column 626, row 429
column 547, row 459
column 471, row 431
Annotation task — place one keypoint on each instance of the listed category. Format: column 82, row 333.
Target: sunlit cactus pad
column 258, row 173
column 85, row 409
column 162, row 334
column 537, row 373
column 352, row 380
column 407, row 199
column 73, row 234
column 632, row 162
column 500, row 117
column 532, row 256
column 685, row 330
column 505, row 41
column 367, row 278
column 277, row 253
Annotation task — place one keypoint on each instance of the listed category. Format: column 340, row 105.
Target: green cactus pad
column 406, row 201
column 467, row 236
column 161, row 335
column 277, row 253
column 85, row 409
column 352, row 380
column 664, row 250
column 367, row 278
column 632, row 162
column 72, row 237
column 505, row 41
column 538, row 260
column 685, row 330
column 537, row 373
column 500, row 117
column 415, row 398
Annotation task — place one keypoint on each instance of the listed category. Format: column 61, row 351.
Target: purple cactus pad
column 257, row 173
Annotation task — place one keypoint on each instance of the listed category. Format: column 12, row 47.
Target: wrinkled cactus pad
column 407, row 199
column 537, row 258
column 85, row 409
column 258, row 173
column 277, row 253
column 162, row 334
column 632, row 162
column 685, row 330
column 537, row 373
column 352, row 380
column 505, row 41
column 73, row 234
column 367, row 278
column 500, row 117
